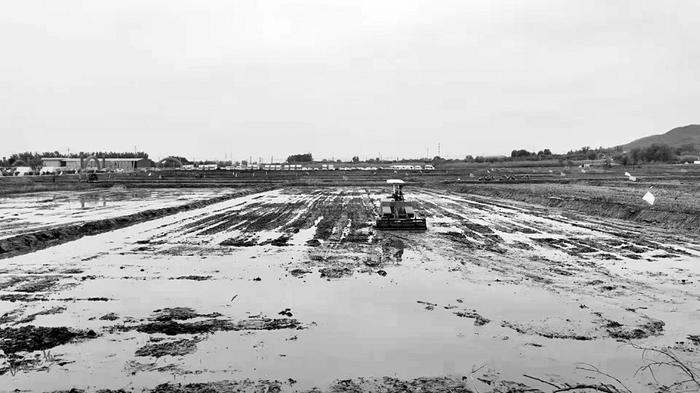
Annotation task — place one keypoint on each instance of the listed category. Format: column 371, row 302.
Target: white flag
column 649, row 197
column 627, row 174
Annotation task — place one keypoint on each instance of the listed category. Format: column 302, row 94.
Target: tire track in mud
column 538, row 247
column 336, row 224
column 279, row 216
column 570, row 236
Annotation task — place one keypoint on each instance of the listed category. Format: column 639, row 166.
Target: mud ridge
column 173, row 328
column 169, row 348
column 37, row 338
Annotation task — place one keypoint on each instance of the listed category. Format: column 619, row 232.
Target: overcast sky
column 207, row 79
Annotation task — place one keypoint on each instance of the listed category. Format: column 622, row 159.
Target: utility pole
column 438, row 149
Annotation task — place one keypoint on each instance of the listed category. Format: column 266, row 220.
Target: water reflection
column 93, row 200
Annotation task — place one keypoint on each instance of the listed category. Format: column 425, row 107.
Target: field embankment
column 676, row 207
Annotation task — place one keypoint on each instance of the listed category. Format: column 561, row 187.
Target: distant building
column 109, row 164
column 126, row 164
column 68, row 164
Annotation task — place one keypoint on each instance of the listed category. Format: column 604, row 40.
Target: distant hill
column 677, row 137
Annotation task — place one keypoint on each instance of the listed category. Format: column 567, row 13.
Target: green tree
column 299, row 158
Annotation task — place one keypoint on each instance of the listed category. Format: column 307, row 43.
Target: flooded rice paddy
column 295, row 286
column 31, row 212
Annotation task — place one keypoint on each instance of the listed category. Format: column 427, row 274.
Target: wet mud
column 38, row 338
column 25, row 243
column 229, row 284
column 460, row 384
column 169, row 348
column 676, row 208
column 172, row 328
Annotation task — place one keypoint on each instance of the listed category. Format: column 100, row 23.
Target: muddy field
column 293, row 290
column 31, row 212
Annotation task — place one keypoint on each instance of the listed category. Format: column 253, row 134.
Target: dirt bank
column 30, row 242
column 676, row 208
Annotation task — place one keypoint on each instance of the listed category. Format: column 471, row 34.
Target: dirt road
column 295, row 289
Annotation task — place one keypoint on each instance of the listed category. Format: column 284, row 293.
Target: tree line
column 654, row 153
column 659, row 152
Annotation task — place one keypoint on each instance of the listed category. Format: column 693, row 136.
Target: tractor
column 396, row 213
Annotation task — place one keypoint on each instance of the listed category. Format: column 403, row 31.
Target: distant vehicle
column 429, row 167
column 49, row 170
column 23, row 171
column 404, row 167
